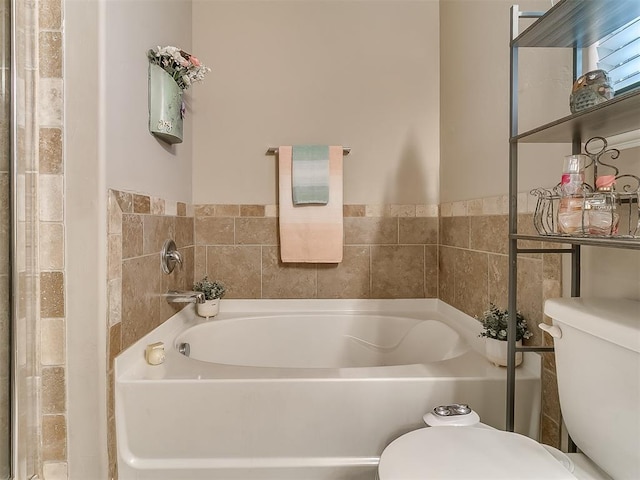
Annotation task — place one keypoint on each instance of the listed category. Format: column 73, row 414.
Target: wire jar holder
column 598, row 213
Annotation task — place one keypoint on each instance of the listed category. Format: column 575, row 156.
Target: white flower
column 176, row 62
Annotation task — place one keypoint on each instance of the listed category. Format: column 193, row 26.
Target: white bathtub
column 313, row 389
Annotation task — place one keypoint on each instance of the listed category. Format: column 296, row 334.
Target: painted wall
column 475, row 101
column 360, row 74
column 137, row 161
column 475, row 123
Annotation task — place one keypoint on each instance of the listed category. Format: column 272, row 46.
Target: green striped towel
column 310, row 174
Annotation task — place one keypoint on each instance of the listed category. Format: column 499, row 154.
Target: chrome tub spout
column 173, row 296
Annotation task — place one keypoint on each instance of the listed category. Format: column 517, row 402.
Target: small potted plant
column 213, row 292
column 494, row 323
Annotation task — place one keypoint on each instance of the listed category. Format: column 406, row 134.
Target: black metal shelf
column 621, row 114
column 574, row 24
column 578, row 23
column 614, row 242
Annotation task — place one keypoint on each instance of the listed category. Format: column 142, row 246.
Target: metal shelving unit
column 574, row 24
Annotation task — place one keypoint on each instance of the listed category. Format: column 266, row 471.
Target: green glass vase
column 165, row 106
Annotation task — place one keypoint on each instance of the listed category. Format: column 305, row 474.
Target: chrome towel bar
column 274, row 150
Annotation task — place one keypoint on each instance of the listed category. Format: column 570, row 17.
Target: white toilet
column 597, row 348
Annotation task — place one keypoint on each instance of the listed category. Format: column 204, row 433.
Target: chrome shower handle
column 170, row 256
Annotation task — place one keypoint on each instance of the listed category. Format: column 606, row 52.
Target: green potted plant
column 494, row 324
column 213, row 292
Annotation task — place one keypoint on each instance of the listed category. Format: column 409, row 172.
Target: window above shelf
column 577, row 23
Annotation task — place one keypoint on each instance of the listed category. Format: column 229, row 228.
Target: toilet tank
column 598, row 366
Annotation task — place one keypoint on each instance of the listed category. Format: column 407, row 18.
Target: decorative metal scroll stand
column 626, row 197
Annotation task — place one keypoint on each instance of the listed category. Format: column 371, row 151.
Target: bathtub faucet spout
column 173, row 296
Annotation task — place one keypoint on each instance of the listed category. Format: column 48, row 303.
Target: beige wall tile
column 114, row 299
column 157, row 206
column 427, row 211
column 200, row 262
column 271, row 211
column 549, row 432
column 227, row 210
column 140, row 299
column 181, row 209
column 397, row 271
column 348, row 279
column 256, row 231
column 489, row 233
column 141, row 203
column 51, row 246
column 471, row 292
column 55, row 471
column 237, row 267
column 400, row 211
column 184, row 231
column 54, row 438
column 454, row 231
column 499, row 280
column 418, row 230
column 115, row 343
column 252, row 210
column 459, row 209
column 50, row 102
column 50, row 52
column 286, row 280
column 50, row 195
column 214, row 231
column 52, row 294
column 550, row 398
column 114, row 257
column 370, row 231
column 354, row 210
column 431, row 271
column 52, row 341
column 50, row 14
column 125, row 201
column 204, row 210
column 53, row 390
column 114, row 225
column 132, row 235
column 156, row 230
column 446, row 274
column 50, row 151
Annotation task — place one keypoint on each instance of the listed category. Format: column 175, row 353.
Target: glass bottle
column 600, row 208
column 570, row 218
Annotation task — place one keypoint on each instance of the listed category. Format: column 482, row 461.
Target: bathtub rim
column 130, row 364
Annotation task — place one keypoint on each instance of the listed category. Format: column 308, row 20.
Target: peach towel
column 310, row 233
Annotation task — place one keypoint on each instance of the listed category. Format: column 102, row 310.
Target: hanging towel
column 310, row 233
column 310, row 174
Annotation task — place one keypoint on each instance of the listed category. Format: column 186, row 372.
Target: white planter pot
column 209, row 308
column 496, row 352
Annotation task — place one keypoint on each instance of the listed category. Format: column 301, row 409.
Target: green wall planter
column 165, row 106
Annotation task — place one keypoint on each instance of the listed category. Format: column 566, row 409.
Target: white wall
column 136, row 160
column 360, row 74
column 107, row 145
column 85, row 257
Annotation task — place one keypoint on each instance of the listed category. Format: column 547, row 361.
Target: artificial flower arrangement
column 183, row 67
column 494, row 321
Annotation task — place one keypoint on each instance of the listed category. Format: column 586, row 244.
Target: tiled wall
column 138, row 225
column 474, row 273
column 389, row 252
column 40, row 332
column 5, row 266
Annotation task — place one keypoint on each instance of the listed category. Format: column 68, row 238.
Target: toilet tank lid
column 615, row 320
